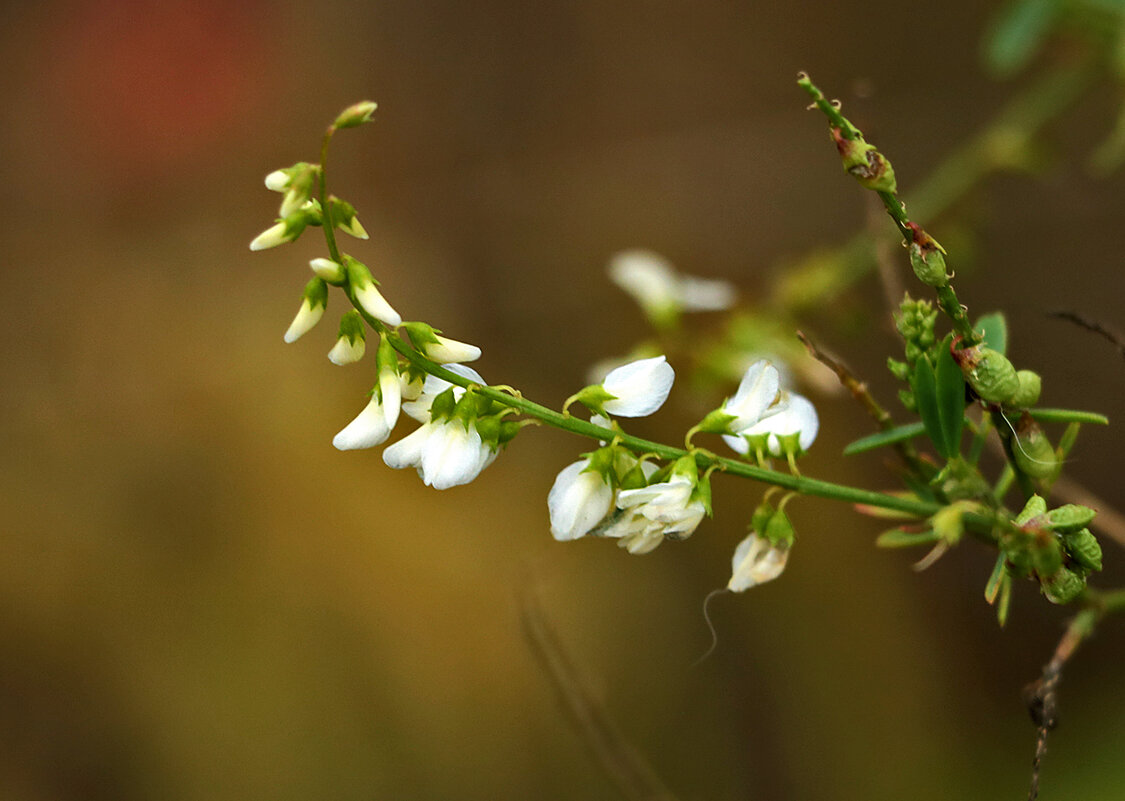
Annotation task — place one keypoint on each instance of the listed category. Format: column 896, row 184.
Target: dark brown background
column 201, row 599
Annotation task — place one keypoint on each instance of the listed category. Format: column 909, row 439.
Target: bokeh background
column 201, row 599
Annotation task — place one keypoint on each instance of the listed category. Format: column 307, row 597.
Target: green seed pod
column 1028, row 393
column 1070, row 517
column 1063, row 587
column 929, row 265
column 1083, row 548
column 992, row 376
column 1033, row 452
column 1019, row 563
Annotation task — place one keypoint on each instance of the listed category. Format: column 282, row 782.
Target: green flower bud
column 900, row 370
column 865, row 163
column 1028, row 393
column 356, row 114
column 1083, row 548
column 1063, row 587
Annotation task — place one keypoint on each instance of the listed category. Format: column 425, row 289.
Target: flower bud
column 1070, row 517
column 313, row 304
column 865, row 163
column 356, row 114
column 351, row 341
column 367, row 295
column 342, row 214
column 442, row 350
column 328, row 270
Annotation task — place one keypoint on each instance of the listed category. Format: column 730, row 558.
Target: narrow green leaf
column 992, row 588
column 995, row 328
column 1068, row 416
column 897, row 538
column 1018, row 34
column 950, row 400
column 1005, row 599
column 884, row 438
column 925, row 393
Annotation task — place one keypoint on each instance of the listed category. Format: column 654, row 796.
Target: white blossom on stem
column 638, row 388
column 419, row 408
column 797, row 421
column 756, row 561
column 446, row 453
column 662, row 292
column 579, row 499
column 756, row 397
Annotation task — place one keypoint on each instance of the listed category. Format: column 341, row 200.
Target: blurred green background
column 202, row 599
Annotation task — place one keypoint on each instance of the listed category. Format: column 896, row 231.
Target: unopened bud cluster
column 1053, row 547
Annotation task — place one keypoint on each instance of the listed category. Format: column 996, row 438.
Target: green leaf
column 992, row 588
column 897, row 538
column 924, row 385
column 1018, row 34
column 950, row 400
column 884, row 438
column 995, row 329
column 1067, row 416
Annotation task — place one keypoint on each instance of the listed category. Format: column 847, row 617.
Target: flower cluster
column 461, row 432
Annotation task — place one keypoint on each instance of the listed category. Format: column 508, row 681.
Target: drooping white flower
column 669, row 503
column 277, row 234
column 797, row 420
column 450, row 351
column 370, row 428
column 662, row 292
column 579, row 499
column 313, row 303
column 419, row 408
column 371, row 299
column 756, row 561
column 331, row 271
column 638, row 388
column 756, row 397
column 347, row 350
column 446, row 453
column 278, row 181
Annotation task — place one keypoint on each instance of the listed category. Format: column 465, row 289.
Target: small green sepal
column 356, row 114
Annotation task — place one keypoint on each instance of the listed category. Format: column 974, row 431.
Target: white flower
column 371, row 427
column 450, row 351
column 661, row 291
column 797, row 418
column 373, row 302
column 579, row 499
column 433, row 386
column 757, row 393
column 307, row 316
column 649, row 514
column 329, row 270
column 277, row 181
column 347, row 350
column 755, row 562
column 446, row 453
column 273, row 236
column 639, row 388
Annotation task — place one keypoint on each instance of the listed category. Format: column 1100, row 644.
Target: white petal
column 391, row 387
column 368, row 429
column 453, row 456
column 327, row 269
column 433, row 386
column 701, row 294
column 277, row 181
column 756, row 392
column 798, row 416
column 450, row 351
column 640, row 387
column 346, row 352
column 307, row 317
column 376, row 305
column 647, row 276
column 578, row 501
column 270, row 238
column 755, row 562
column 738, row 444
column 407, row 452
